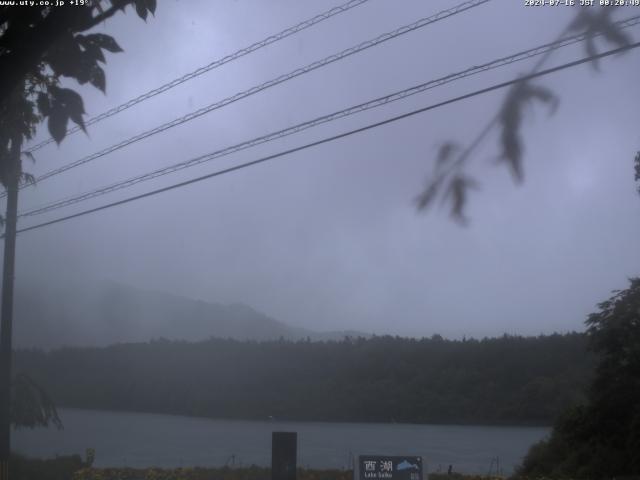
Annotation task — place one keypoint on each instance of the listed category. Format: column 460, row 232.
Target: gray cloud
column 329, row 238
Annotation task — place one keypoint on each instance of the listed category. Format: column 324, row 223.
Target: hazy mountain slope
column 103, row 313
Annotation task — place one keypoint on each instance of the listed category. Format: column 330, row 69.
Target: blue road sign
column 377, row 467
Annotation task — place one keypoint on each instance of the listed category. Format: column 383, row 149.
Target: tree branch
column 115, row 6
column 26, row 49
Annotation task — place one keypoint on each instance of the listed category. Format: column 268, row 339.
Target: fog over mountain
column 329, row 238
column 98, row 313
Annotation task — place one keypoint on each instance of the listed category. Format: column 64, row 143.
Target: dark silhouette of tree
column 601, row 438
column 637, row 168
column 39, row 45
column 502, row 380
column 31, row 406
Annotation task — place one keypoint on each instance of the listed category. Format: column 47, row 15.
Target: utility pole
column 6, row 309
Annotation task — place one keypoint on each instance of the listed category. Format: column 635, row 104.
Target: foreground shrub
column 250, row 473
column 461, row 476
column 600, row 439
column 59, row 468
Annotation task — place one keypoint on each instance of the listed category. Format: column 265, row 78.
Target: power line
column 213, row 65
column 340, row 136
column 380, row 101
column 282, row 78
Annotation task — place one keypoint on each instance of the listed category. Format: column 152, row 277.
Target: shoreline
column 337, row 422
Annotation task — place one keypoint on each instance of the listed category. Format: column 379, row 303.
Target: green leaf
column 71, row 103
column 27, row 178
column 151, row 6
column 106, row 42
column 29, row 155
column 57, row 124
column 457, row 194
column 445, row 153
column 510, row 118
column 98, row 79
column 64, row 55
column 43, row 104
column 425, row 199
column 141, row 8
column 31, row 406
column 599, row 22
column 95, row 53
column 83, row 67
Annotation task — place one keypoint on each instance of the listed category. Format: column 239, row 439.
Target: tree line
column 505, row 380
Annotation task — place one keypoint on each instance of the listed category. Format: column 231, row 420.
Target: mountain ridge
column 100, row 313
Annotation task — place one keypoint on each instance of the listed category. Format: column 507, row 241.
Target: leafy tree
column 39, row 46
column 601, row 438
column 31, row 406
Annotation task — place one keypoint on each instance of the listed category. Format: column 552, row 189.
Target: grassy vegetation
column 250, row 473
column 59, row 468
column 73, row 468
column 461, row 476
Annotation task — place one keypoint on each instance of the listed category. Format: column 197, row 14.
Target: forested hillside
column 506, row 380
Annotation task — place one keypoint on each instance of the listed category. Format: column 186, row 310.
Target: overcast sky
column 329, row 238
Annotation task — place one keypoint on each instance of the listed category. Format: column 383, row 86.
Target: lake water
column 143, row 440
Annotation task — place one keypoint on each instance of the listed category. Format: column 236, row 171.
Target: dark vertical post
column 6, row 310
column 284, row 452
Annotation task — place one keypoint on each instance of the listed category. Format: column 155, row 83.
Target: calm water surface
column 143, row 440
